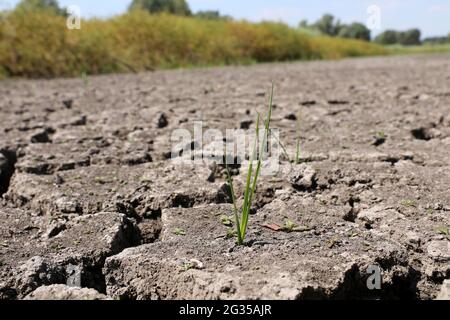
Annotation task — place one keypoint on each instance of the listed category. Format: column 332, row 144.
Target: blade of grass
column 283, row 148
column 297, row 152
column 233, row 197
column 247, row 202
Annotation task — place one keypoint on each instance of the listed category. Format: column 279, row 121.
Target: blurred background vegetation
column 35, row 42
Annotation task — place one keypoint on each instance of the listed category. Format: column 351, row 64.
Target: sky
column 431, row 16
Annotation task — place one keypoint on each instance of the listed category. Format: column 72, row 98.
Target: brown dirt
column 90, row 198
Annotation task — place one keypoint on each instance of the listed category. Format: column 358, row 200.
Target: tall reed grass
column 39, row 44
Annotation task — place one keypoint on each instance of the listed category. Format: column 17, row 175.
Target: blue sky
column 431, row 16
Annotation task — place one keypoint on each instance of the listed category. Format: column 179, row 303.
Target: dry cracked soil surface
column 92, row 207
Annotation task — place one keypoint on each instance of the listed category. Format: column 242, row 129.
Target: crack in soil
column 7, row 168
column 402, row 286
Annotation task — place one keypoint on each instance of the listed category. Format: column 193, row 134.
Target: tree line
column 332, row 27
column 326, row 25
column 176, row 7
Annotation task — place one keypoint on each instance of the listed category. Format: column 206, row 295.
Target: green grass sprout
column 85, row 79
column 444, row 231
column 179, row 232
column 289, row 226
column 297, row 152
column 252, row 176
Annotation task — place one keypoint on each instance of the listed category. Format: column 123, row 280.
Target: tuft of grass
column 381, row 135
column 231, row 234
column 100, row 180
column 408, row 203
column 444, row 231
column 289, row 225
column 187, row 266
column 226, row 221
column 85, row 79
column 379, row 138
column 242, row 216
column 179, row 232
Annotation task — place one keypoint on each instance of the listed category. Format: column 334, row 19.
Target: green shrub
column 408, row 38
column 355, row 31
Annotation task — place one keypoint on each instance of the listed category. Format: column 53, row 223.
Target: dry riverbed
column 93, row 208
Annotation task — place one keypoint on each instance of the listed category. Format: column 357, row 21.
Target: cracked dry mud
column 92, row 208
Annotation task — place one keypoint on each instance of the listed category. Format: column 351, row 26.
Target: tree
column 407, row 38
column 388, row 37
column 41, row 5
column 177, row 7
column 410, row 37
column 303, row 24
column 327, row 25
column 355, row 31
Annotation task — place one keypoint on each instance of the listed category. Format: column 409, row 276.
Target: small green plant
column 85, row 79
column 226, row 221
column 380, row 135
column 100, row 180
column 252, row 176
column 179, row 232
column 444, row 231
column 289, row 225
column 145, row 179
column 353, row 234
column 334, row 241
column 231, row 233
column 187, row 266
column 379, row 138
column 408, row 203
